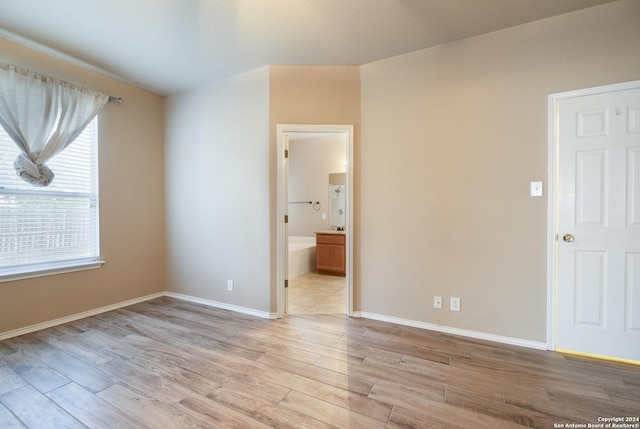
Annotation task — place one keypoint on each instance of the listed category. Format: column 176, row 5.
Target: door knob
column 568, row 238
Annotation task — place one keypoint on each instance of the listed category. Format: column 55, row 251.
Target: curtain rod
column 36, row 75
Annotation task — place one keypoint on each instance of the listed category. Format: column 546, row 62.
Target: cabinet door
column 330, row 257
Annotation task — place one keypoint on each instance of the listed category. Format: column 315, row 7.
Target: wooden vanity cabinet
column 330, row 254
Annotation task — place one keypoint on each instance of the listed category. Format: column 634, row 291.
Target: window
column 50, row 229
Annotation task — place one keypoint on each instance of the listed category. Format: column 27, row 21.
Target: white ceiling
column 166, row 46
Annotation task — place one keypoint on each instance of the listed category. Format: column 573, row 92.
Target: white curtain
column 43, row 115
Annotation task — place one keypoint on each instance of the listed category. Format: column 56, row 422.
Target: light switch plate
column 536, row 189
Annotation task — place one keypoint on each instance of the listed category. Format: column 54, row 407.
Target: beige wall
column 131, row 206
column 220, row 175
column 314, row 95
column 311, row 160
column 451, row 138
column 217, row 191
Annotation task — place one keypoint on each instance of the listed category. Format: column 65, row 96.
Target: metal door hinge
column 286, row 283
column 286, row 218
column 286, row 153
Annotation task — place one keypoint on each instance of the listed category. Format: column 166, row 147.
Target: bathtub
column 302, row 255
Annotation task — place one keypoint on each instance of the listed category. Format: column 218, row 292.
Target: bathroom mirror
column 337, row 200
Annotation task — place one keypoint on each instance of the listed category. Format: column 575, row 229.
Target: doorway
column 310, row 209
column 595, row 237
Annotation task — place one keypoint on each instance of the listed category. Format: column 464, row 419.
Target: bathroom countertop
column 331, row 231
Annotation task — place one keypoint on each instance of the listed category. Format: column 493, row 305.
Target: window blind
column 55, row 224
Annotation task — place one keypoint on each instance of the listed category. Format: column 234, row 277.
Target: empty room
column 319, row 213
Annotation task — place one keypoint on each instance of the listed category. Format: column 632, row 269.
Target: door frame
column 552, row 195
column 282, row 198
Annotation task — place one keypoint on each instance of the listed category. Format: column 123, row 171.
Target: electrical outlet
column 230, row 285
column 455, row 304
column 437, row 301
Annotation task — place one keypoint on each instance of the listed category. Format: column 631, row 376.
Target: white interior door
column 598, row 224
column 285, row 145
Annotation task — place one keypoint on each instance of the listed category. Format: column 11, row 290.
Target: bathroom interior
column 317, row 194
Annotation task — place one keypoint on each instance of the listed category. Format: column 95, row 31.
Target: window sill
column 41, row 270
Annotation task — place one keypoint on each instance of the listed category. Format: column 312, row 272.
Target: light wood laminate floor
column 314, row 293
column 167, row 363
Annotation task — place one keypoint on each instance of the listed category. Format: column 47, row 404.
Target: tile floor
column 314, row 293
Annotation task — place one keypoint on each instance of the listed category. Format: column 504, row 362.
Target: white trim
column 42, row 270
column 77, row 316
column 94, row 312
column 456, row 331
column 282, row 130
column 552, row 222
column 266, row 315
column 222, row 305
column 281, row 230
column 552, row 195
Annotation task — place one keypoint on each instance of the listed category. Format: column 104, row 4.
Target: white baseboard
column 222, row 305
column 77, row 316
column 454, row 331
column 266, row 315
column 89, row 313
